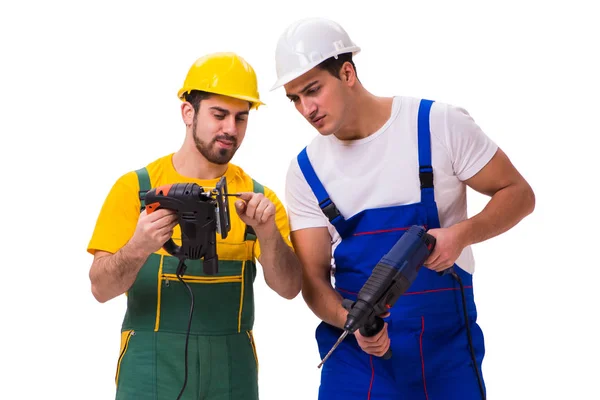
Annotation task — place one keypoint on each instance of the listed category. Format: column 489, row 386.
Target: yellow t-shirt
column 120, row 212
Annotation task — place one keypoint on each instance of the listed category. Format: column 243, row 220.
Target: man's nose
column 230, row 125
column 309, row 108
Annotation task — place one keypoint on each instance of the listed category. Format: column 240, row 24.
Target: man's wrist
column 462, row 232
column 267, row 232
column 135, row 252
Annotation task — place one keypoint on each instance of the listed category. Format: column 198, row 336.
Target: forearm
column 114, row 274
column 282, row 269
column 324, row 301
column 505, row 209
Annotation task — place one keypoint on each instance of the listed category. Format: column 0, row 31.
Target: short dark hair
column 194, row 97
column 334, row 65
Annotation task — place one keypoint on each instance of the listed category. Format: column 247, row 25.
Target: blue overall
column 431, row 355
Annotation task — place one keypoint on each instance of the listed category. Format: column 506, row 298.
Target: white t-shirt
column 383, row 169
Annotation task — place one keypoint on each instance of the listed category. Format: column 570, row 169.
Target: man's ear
column 347, row 74
column 187, row 113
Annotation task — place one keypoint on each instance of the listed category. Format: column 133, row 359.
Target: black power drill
column 391, row 277
column 200, row 216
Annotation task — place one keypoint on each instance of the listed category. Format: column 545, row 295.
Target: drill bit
column 215, row 192
column 334, row 347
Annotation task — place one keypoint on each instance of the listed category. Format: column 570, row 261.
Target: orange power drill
column 201, row 215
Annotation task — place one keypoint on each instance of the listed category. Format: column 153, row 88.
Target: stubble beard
column 215, row 156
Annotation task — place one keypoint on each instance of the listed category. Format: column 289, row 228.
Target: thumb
column 240, row 206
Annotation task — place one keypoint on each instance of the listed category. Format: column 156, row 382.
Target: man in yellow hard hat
column 413, row 160
column 216, row 358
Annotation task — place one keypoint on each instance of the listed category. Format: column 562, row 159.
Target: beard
column 210, row 151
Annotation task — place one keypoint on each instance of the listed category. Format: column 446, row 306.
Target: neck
column 366, row 114
column 188, row 162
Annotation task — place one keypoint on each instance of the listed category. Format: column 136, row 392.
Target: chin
column 327, row 130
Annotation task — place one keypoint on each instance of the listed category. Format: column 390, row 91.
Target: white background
column 88, row 92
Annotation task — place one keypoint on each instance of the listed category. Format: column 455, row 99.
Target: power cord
column 469, row 338
column 181, row 267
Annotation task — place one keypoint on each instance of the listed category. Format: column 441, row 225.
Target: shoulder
column 127, row 182
column 450, row 123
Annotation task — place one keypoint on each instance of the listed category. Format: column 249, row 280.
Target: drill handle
column 373, row 328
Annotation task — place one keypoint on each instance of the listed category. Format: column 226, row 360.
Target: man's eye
column 313, row 90
column 241, row 118
column 219, row 116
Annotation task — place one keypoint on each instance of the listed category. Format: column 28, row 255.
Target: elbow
column 100, row 295
column 97, row 292
column 292, row 290
column 529, row 197
column 290, row 294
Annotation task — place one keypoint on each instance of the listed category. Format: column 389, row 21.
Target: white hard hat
column 305, row 44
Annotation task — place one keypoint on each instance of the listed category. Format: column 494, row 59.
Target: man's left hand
column 448, row 247
column 256, row 211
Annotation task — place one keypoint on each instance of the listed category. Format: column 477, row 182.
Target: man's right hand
column 153, row 230
column 375, row 345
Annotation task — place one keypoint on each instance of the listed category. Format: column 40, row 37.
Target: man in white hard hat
column 379, row 166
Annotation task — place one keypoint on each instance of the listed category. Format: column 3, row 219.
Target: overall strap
column 256, row 188
column 145, row 186
column 325, row 203
column 424, row 142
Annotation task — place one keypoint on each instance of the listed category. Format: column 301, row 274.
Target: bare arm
column 281, row 267
column 313, row 247
column 512, row 199
column 113, row 274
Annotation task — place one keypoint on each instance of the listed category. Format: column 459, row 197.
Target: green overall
column 222, row 361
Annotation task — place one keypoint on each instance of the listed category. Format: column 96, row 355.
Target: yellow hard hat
column 223, row 73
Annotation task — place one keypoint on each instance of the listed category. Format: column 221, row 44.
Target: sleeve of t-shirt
column 303, row 208
column 118, row 216
column 281, row 220
column 469, row 148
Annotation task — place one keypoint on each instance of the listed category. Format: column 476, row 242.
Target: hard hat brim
column 255, row 102
column 295, row 74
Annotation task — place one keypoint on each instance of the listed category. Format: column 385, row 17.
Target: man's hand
column 376, row 345
column 153, row 230
column 449, row 244
column 257, row 211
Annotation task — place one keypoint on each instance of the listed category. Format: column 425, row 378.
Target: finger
column 261, row 208
column 240, row 207
column 158, row 214
column 268, row 212
column 166, row 228
column 379, row 347
column 384, row 347
column 252, row 205
column 438, row 264
column 375, row 338
column 432, row 259
column 246, row 195
column 169, row 221
column 166, row 235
